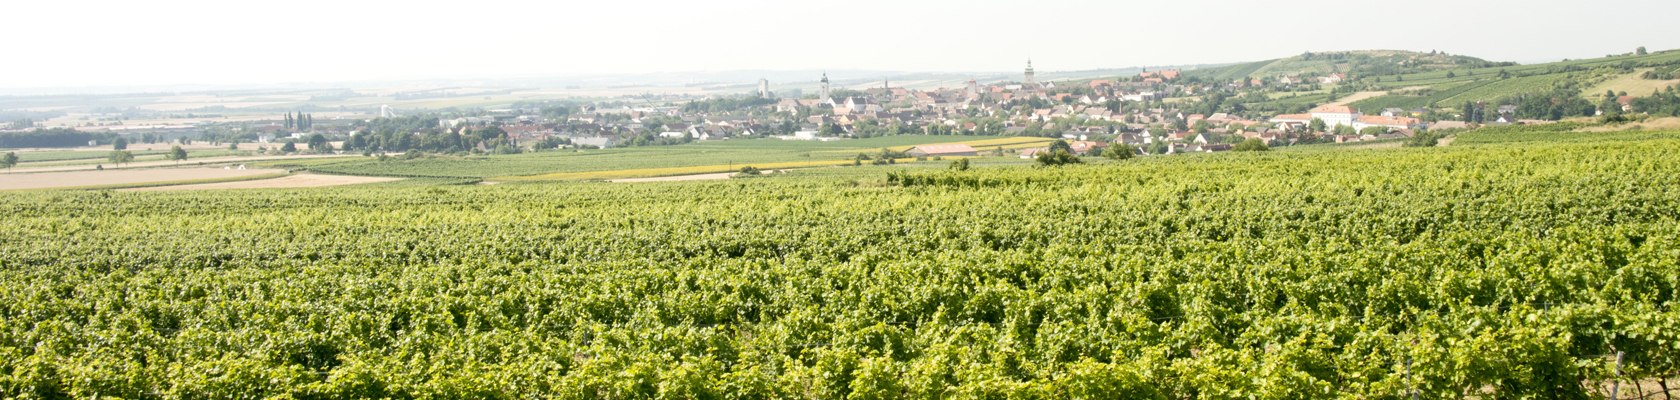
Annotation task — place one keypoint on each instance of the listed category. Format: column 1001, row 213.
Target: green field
column 68, row 157
column 1512, row 264
column 737, row 153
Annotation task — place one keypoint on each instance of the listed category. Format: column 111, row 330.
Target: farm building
column 942, row 150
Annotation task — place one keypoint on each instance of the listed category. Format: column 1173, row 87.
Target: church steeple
column 1031, row 80
column 823, row 95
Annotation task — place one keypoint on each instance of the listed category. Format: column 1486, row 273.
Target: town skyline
column 197, row 43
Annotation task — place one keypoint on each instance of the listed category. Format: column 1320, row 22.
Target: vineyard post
column 1616, row 381
column 1411, row 387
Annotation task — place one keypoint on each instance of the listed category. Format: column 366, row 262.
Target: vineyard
column 701, row 157
column 1509, row 265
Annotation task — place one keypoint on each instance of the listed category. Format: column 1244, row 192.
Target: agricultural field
column 1516, row 263
column 130, row 177
column 635, row 162
column 1435, row 87
column 288, row 181
column 54, row 158
column 1631, row 83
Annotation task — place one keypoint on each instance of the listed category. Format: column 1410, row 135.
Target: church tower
column 1031, row 80
column 823, row 95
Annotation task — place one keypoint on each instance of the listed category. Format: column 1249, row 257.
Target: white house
column 1334, row 115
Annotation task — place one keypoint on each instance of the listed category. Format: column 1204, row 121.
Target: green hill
column 1447, row 88
column 1353, row 63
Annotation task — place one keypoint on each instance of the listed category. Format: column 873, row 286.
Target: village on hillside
column 1094, row 115
column 1308, row 99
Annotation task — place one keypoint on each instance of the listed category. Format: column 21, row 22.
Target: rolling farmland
column 1515, row 263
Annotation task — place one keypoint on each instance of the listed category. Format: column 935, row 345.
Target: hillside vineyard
column 1503, row 268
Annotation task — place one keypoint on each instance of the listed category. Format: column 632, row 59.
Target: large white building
column 1334, row 115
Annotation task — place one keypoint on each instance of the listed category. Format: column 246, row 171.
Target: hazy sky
column 71, row 43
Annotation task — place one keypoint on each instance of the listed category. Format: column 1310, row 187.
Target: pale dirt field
column 1383, row 145
column 1630, row 83
column 119, row 177
column 682, row 178
column 150, row 164
column 1667, row 123
column 1356, row 97
column 290, row 181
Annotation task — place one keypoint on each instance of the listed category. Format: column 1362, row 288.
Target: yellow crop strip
column 992, row 143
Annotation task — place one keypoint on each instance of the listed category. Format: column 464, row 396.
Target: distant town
column 1308, row 99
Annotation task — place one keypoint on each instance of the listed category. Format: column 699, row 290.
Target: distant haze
column 173, row 42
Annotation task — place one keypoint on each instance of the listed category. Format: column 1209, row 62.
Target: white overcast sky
column 81, row 43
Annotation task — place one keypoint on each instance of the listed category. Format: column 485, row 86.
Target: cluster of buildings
column 1335, row 116
column 1127, row 111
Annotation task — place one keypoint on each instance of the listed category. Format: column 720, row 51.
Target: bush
column 960, row 164
column 1057, row 158
column 1422, row 139
column 1119, row 152
column 1251, row 145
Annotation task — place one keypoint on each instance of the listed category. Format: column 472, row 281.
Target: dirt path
column 68, row 179
column 290, row 181
column 151, row 164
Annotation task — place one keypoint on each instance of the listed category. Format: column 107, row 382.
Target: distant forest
column 55, row 137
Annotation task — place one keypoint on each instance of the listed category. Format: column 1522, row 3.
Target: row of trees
column 120, row 157
column 301, row 121
column 423, row 134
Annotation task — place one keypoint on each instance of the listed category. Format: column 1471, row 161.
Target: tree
column 1251, row 145
column 1345, row 130
column 1469, row 112
column 1062, row 146
column 289, row 147
column 233, row 145
column 119, row 157
column 119, row 144
column 288, row 120
column 1373, row 130
column 1640, row 51
column 1118, row 152
column 1316, row 126
column 177, row 154
column 1422, row 138
column 1159, row 147
column 1451, row 75
column 960, row 164
column 9, row 160
column 1055, row 158
column 317, row 142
